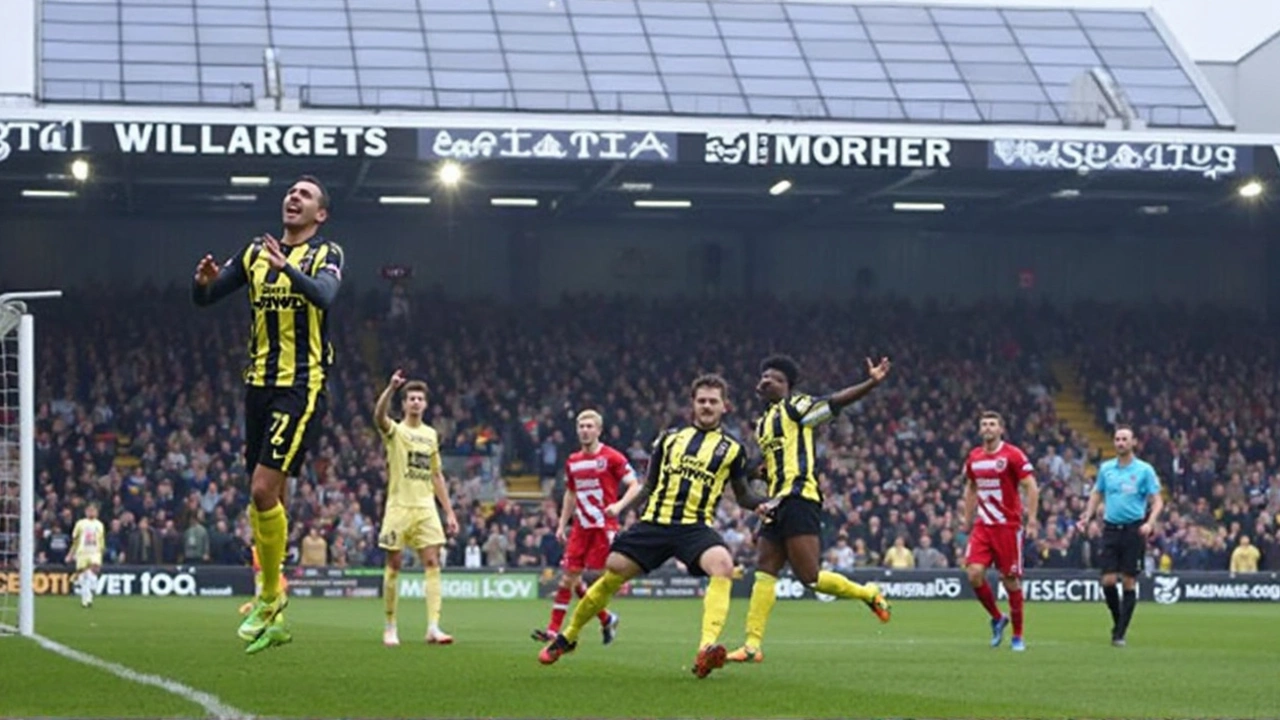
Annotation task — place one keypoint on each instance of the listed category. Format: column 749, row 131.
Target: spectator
column 1244, row 559
column 899, row 557
column 195, row 541
column 927, row 557
column 144, row 544
column 315, row 551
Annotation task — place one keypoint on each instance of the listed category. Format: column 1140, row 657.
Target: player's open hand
column 613, row 510
column 879, row 371
column 562, row 534
column 1146, row 529
column 275, row 256
column 1033, row 528
column 397, row 379
column 451, row 524
column 766, row 509
column 206, row 271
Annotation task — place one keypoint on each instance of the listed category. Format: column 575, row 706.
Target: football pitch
column 823, row 660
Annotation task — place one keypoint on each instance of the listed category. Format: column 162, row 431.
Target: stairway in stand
column 523, row 487
column 1074, row 410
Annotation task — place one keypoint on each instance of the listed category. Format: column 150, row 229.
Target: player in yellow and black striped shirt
column 792, row 529
column 687, row 474
column 292, row 283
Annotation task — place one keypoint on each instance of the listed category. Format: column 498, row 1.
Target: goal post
column 17, row 458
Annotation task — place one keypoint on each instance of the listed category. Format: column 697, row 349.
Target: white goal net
column 17, row 463
column 10, row 468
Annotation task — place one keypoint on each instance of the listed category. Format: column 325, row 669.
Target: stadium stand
column 141, row 418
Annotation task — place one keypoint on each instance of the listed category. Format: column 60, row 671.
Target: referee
column 1124, row 485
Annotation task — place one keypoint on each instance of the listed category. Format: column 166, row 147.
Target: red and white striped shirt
column 995, row 476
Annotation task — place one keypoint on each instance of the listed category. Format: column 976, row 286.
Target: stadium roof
column 816, row 60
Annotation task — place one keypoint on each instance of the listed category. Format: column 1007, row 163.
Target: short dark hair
column 710, row 380
column 415, row 386
column 784, row 364
column 324, row 192
column 992, row 415
column 1123, row 426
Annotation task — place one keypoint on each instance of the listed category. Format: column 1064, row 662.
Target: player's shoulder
column 1011, row 450
column 1107, row 466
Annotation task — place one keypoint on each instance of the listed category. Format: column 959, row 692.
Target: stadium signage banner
column 552, row 145
column 849, row 151
column 23, row 137
column 1069, row 586
column 132, row 581
column 471, row 586
column 1209, row 160
column 250, row 140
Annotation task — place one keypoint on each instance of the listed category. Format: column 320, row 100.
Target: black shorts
column 650, row 544
column 1122, row 549
column 794, row 516
column 281, row 425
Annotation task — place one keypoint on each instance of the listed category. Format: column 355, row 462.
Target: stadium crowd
column 141, row 400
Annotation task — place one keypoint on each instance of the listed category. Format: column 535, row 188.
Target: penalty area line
column 211, row 704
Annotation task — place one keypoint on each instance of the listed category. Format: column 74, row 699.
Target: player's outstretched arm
column 383, row 406
column 876, row 373
column 212, row 283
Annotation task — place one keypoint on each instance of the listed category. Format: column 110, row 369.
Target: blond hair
column 591, row 415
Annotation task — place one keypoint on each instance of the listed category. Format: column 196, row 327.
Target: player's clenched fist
column 206, row 271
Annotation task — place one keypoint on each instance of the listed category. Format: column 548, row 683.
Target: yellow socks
column 597, row 597
column 390, row 591
column 270, row 539
column 763, row 597
column 842, row 587
column 433, row 598
column 715, row 608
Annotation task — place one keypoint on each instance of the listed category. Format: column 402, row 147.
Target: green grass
column 824, row 660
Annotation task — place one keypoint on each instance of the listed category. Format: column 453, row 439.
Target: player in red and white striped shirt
column 994, row 474
column 593, row 476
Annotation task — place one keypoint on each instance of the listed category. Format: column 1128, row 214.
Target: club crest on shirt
column 722, row 448
column 1001, row 464
column 600, row 464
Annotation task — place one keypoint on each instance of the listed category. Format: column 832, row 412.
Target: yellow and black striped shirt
column 289, row 342
column 692, row 467
column 785, row 435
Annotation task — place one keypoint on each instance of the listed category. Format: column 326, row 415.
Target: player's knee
column 393, row 560
column 717, row 562
column 431, row 559
column 977, row 576
column 1109, row 580
column 569, row 580
column 1011, row 582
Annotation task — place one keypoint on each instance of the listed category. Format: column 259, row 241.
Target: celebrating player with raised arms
column 593, row 476
column 414, row 483
column 994, row 473
column 292, row 282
